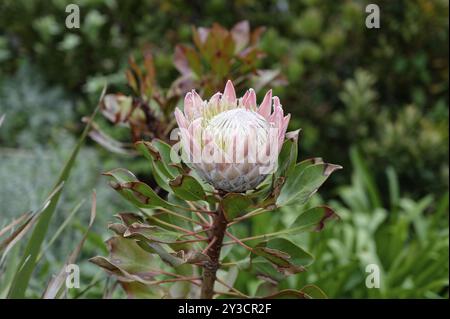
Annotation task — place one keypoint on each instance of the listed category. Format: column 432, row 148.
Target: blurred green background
column 372, row 100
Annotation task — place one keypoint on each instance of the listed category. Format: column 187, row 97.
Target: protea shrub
column 234, row 160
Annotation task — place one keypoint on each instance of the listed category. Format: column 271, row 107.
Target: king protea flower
column 232, row 143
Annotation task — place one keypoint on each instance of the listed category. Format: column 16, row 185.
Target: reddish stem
column 218, row 229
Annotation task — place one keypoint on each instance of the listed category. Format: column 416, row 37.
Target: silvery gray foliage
column 32, row 172
column 32, row 108
column 33, row 148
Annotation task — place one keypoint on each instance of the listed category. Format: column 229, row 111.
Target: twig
column 234, row 263
column 248, row 215
column 196, row 232
column 182, row 217
column 238, row 241
column 184, row 230
column 241, row 294
column 209, row 245
column 157, row 282
column 263, row 236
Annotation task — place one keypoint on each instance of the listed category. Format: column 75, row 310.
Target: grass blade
column 23, row 275
column 14, row 223
column 394, row 189
column 367, row 178
column 60, row 229
column 8, row 243
column 54, row 288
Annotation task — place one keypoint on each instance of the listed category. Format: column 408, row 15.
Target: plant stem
column 263, row 236
column 238, row 241
column 248, row 215
column 218, row 229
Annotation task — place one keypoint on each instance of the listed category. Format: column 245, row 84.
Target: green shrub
column 408, row 240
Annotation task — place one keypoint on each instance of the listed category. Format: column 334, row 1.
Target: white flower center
column 245, row 125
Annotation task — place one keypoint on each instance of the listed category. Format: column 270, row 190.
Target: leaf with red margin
column 304, row 182
column 288, row 257
column 307, row 292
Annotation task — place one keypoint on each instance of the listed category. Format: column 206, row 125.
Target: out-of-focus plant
column 174, row 247
column 20, row 268
column 147, row 112
column 37, row 117
column 320, row 44
column 33, row 108
column 414, row 139
column 407, row 239
column 218, row 54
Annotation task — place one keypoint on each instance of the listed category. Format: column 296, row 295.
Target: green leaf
column 158, row 153
column 137, row 290
column 266, row 288
column 183, row 209
column 288, row 155
column 188, row 188
column 235, row 205
column 263, row 193
column 142, row 195
column 156, row 248
column 304, row 182
column 308, row 162
column 265, row 269
column 129, row 218
column 28, row 262
column 151, row 233
column 288, row 257
column 160, row 178
column 288, row 294
column 128, row 262
column 311, row 220
column 314, row 292
column 121, row 175
column 307, row 292
column 138, row 193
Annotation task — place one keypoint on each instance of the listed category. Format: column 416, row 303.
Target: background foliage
column 381, row 93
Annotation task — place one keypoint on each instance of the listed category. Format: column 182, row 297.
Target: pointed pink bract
column 189, row 105
column 266, row 105
column 229, row 94
column 181, row 120
column 250, row 102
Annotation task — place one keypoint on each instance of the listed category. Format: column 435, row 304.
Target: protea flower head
column 232, row 143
